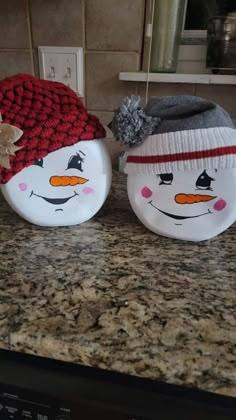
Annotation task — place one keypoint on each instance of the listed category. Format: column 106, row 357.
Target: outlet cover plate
column 63, row 64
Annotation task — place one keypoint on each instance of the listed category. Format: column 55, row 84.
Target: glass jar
column 166, row 35
column 221, row 42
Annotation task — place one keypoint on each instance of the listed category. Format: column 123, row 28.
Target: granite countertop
column 111, row 294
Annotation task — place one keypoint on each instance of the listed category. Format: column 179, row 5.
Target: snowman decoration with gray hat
column 181, row 165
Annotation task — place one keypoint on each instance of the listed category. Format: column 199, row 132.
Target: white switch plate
column 63, row 64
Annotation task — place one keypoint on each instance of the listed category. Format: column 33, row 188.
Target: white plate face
column 193, row 206
column 67, row 187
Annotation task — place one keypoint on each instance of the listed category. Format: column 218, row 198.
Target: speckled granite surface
column 113, row 295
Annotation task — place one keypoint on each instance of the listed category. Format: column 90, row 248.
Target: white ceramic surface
column 38, row 195
column 192, row 206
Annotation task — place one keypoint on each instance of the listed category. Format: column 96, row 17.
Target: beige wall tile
column 57, row 22
column 106, row 118
column 165, row 89
column 14, row 24
column 13, row 62
column 104, row 90
column 113, row 146
column 114, row 149
column 114, row 25
column 96, row 113
column 224, row 95
column 36, row 62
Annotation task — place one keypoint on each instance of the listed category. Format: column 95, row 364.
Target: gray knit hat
column 175, row 133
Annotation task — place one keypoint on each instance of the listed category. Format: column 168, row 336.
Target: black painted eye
column 38, row 162
column 204, row 181
column 165, row 179
column 75, row 162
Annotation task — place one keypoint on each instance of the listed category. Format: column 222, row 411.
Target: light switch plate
column 63, row 64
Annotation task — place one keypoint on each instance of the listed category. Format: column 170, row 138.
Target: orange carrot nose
column 192, row 198
column 64, row 181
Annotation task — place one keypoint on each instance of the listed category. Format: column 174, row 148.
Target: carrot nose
column 192, row 198
column 64, row 181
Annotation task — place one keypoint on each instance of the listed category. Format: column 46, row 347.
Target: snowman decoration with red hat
column 54, row 168
column 181, row 165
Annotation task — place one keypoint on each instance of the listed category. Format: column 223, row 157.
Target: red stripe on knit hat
column 219, row 151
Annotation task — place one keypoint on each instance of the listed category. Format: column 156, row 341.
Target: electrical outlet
column 63, row 64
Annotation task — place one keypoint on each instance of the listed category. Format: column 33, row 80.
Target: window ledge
column 209, row 79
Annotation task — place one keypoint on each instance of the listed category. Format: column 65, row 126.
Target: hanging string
column 151, row 11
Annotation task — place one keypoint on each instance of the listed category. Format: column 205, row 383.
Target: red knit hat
column 50, row 115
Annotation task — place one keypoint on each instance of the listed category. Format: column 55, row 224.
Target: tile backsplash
column 111, row 33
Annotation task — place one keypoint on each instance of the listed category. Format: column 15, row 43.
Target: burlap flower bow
column 9, row 134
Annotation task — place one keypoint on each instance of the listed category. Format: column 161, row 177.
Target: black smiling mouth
column 55, row 201
column 176, row 217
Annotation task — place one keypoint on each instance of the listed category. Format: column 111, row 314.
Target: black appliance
column 43, row 389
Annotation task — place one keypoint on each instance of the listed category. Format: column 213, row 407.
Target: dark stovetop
column 43, row 389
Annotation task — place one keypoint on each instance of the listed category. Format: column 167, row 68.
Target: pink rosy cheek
column 23, row 186
column 88, row 190
column 220, row 205
column 146, row 192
